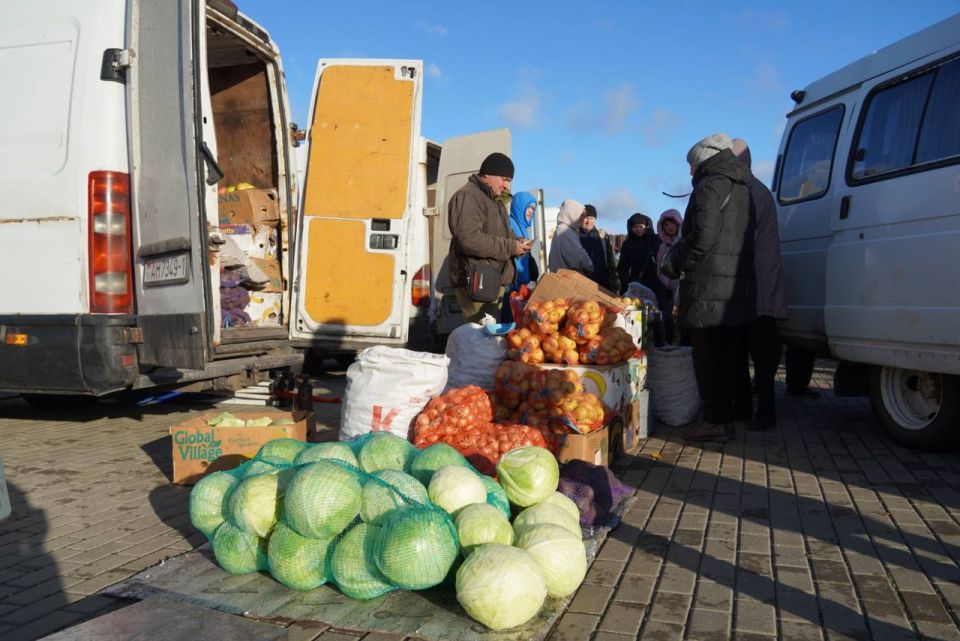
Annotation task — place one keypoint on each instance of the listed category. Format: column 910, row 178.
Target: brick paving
column 820, row 529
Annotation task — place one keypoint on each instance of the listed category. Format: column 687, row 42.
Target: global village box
column 200, row 448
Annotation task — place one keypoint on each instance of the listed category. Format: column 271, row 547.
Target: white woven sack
column 386, row 389
column 474, row 355
column 674, row 397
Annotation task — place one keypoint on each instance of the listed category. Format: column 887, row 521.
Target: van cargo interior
column 251, row 278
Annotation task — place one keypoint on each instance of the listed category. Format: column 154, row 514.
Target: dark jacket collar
column 484, row 187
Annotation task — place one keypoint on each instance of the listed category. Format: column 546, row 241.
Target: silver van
column 868, row 190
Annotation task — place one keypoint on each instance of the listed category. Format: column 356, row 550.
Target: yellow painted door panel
column 345, row 283
column 360, row 144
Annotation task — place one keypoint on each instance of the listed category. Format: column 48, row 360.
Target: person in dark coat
column 597, row 245
column 718, row 291
column 481, row 234
column 638, row 255
column 763, row 343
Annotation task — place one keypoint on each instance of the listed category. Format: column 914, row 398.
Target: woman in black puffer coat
column 638, row 255
column 718, row 292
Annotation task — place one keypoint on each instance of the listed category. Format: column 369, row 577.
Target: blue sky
column 603, row 99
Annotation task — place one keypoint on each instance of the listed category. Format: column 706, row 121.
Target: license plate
column 165, row 270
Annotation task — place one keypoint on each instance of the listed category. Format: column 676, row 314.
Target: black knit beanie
column 589, row 210
column 497, row 164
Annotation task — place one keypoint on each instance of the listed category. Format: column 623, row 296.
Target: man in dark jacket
column 597, row 245
column 482, row 236
column 763, row 343
column 718, row 297
column 638, row 256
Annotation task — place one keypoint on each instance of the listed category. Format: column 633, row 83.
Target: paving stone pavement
column 819, row 529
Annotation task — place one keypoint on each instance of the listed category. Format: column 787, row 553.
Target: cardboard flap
column 568, row 283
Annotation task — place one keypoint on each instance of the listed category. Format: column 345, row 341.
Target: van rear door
column 358, row 200
column 167, row 170
column 461, row 157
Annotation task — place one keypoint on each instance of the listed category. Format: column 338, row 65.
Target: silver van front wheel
column 916, row 408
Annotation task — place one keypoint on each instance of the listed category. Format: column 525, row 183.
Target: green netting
column 296, row 561
column 496, row 496
column 431, row 459
column 319, row 451
column 353, row 568
column 319, row 518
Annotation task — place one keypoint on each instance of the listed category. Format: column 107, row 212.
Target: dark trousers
column 762, row 344
column 799, row 365
column 715, row 351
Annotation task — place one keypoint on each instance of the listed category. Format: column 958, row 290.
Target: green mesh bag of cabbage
column 345, row 513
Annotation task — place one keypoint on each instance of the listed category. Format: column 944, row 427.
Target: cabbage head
column 454, row 487
column 415, row 547
column 546, row 513
column 322, row 499
column 256, row 502
column 496, row 496
column 482, row 523
column 563, row 501
column 254, row 467
column 432, row 459
column 528, row 475
column 208, row 501
column 379, row 498
column 560, row 554
column 239, row 552
column 386, row 451
column 352, row 567
column 280, row 451
column 296, row 561
column 320, row 451
column 501, row 586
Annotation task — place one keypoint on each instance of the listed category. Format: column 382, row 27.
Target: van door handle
column 844, row 207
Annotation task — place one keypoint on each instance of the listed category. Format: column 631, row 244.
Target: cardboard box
column 249, row 206
column 264, row 308
column 628, row 432
column 592, row 448
column 253, row 241
column 567, row 283
column 199, row 448
column 634, row 324
column 609, row 383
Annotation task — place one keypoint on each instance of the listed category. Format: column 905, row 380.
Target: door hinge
column 115, row 63
column 430, row 211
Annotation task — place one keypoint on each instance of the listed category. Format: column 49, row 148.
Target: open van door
column 359, row 197
column 167, row 169
column 461, row 157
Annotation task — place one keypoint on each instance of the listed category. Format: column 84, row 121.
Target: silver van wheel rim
column 912, row 398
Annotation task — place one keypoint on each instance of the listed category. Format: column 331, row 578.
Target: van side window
column 888, row 137
column 808, row 157
column 940, row 132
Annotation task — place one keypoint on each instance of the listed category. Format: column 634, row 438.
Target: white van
column 127, row 118
column 868, row 191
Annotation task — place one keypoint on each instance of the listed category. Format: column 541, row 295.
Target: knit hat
column 497, row 164
column 589, row 210
column 708, row 147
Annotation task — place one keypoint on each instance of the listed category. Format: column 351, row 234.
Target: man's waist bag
column 483, row 283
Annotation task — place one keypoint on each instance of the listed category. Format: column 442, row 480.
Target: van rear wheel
column 917, row 409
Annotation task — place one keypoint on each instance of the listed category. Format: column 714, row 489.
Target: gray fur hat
column 709, row 146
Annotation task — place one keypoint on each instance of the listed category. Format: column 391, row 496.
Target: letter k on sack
column 381, row 423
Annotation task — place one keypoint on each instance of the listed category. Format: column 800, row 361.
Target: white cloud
column 618, row 105
column 433, row 71
column 767, row 78
column 524, row 110
column 434, row 29
column 663, row 123
column 763, row 170
column 615, row 205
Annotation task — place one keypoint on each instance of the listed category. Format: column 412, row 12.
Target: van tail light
column 420, row 287
column 111, row 267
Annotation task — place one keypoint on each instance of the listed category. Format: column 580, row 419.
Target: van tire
column 917, row 409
